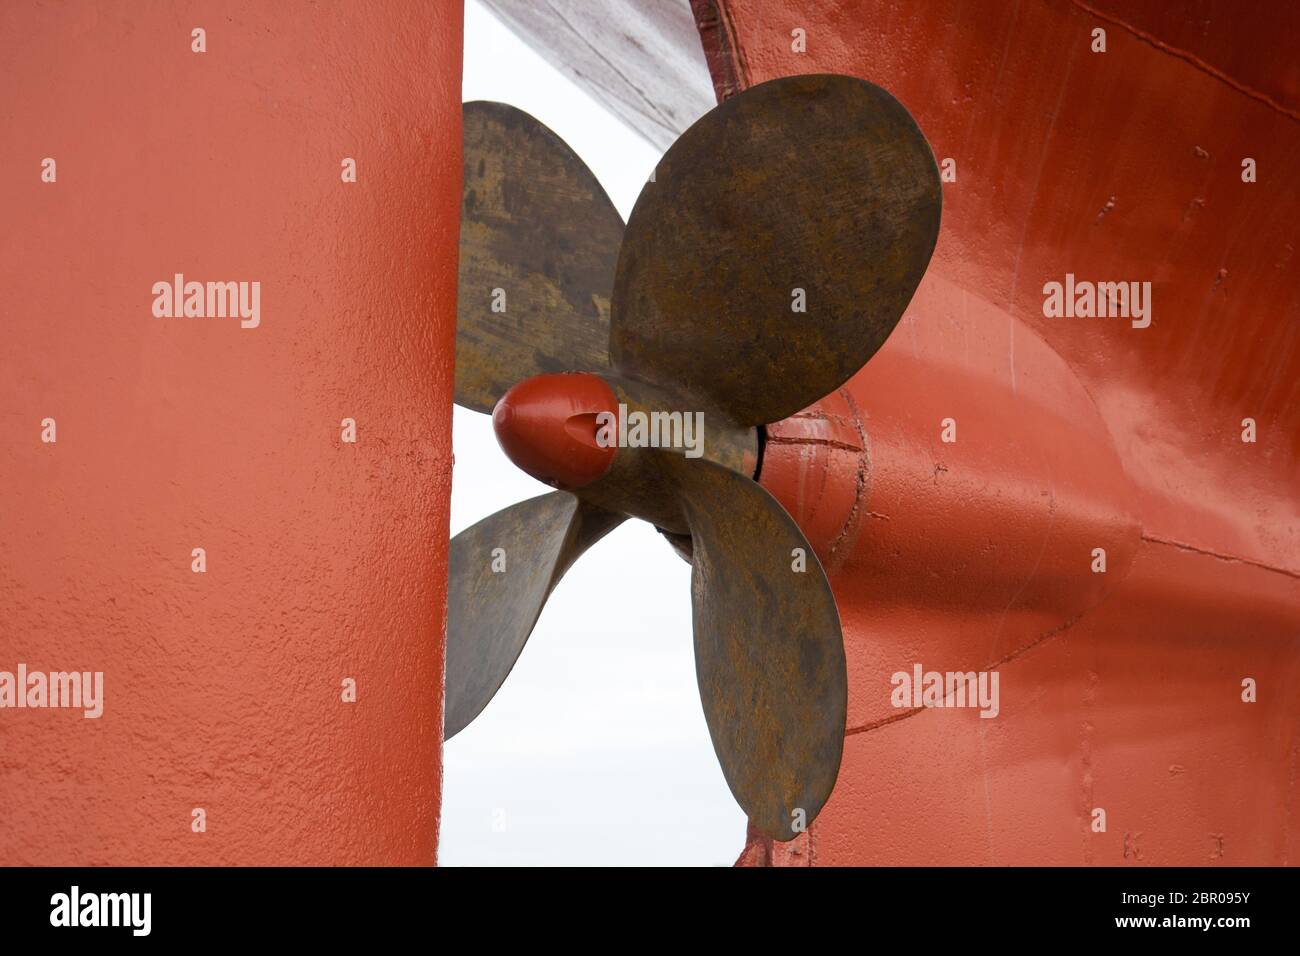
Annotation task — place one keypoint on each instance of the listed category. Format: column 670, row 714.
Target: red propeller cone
column 549, row 425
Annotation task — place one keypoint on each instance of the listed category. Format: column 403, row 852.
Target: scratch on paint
column 861, row 478
column 800, row 441
column 1011, row 328
column 1217, row 852
column 875, row 724
column 988, row 797
column 1087, row 780
column 1222, row 557
column 1191, row 59
column 1005, row 659
column 1029, row 211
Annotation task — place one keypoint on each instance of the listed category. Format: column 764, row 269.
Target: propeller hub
column 548, row 425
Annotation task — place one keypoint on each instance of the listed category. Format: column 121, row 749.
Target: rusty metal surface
column 821, row 183
column 537, row 225
column 768, row 652
column 494, row 598
column 817, row 183
column 632, row 486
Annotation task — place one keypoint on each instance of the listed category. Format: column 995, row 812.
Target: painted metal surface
column 549, row 427
column 1120, row 691
column 223, row 690
column 640, row 59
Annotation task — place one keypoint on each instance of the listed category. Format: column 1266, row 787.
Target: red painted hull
column 1120, row 691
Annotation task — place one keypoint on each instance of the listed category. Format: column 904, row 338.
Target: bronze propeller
column 770, row 256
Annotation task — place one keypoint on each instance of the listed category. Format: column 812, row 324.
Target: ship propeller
column 773, row 252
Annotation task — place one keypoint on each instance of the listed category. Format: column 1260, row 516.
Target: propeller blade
column 494, row 596
column 769, row 654
column 816, row 183
column 536, row 225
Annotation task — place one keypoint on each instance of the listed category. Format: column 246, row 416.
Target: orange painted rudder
column 231, row 502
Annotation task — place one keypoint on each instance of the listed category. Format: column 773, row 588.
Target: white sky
column 595, row 750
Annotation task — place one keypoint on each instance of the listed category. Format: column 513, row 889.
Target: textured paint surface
column 1119, row 691
column 325, row 559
